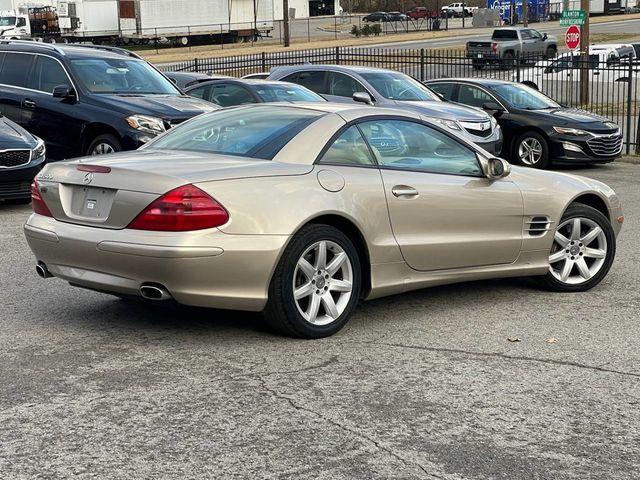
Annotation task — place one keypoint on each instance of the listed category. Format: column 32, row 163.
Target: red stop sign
column 572, row 37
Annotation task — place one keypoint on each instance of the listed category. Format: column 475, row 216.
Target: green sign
column 572, row 17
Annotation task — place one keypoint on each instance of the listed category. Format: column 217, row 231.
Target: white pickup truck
column 457, row 10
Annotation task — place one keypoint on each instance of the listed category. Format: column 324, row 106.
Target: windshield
column 286, row 93
column 397, row 86
column 523, row 97
column 121, row 76
column 254, row 132
column 7, row 21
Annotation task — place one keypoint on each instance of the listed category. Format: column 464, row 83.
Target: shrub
column 376, row 29
column 355, row 30
column 366, row 30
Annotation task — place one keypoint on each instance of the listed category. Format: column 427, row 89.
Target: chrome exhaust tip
column 154, row 292
column 42, row 270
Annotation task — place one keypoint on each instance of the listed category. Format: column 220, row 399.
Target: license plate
column 92, row 202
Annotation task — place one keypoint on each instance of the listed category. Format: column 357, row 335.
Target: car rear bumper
column 206, row 268
column 15, row 183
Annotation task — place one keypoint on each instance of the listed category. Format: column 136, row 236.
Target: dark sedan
column 537, row 131
column 227, row 93
column 376, row 17
column 22, row 156
column 189, row 79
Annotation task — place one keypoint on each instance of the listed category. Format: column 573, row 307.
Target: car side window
column 535, row 34
column 526, row 35
column 48, row 74
column 342, row 85
column 200, row 92
column 314, row 80
column 444, row 89
column 473, row 96
column 406, row 145
column 15, row 69
column 228, row 94
column 348, row 149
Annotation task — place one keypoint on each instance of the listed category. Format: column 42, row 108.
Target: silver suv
column 387, row 88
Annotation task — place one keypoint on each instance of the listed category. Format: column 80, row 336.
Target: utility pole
column 285, row 21
column 584, row 54
column 525, row 13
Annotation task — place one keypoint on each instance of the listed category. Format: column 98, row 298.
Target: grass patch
column 611, row 37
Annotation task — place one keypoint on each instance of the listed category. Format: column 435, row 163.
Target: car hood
column 13, row 136
column 567, row 117
column 445, row 110
column 163, row 106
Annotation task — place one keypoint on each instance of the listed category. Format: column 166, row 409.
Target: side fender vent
column 537, row 226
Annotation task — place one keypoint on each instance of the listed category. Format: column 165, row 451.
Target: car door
column 444, row 212
column 56, row 120
column 314, row 80
column 341, row 87
column 14, row 74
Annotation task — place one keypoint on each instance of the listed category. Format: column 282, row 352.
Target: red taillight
column 185, row 208
column 494, row 47
column 37, row 202
column 93, row 168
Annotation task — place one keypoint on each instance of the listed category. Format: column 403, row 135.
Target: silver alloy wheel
column 530, row 151
column 322, row 282
column 102, row 149
column 579, row 251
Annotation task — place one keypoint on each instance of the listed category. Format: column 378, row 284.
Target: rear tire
column 104, row 144
column 508, row 61
column 583, row 257
column 313, row 294
column 551, row 53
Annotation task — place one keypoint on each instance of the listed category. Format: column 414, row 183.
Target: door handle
column 404, row 191
column 29, row 103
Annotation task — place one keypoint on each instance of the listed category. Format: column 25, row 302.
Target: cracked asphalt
column 419, row 386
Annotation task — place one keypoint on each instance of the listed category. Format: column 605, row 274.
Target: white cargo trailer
column 181, row 21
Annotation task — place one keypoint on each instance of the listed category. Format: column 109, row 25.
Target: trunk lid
column 135, row 179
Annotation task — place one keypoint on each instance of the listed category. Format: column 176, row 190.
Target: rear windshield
column 504, row 35
column 254, row 132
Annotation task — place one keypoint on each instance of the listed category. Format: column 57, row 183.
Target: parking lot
column 431, row 384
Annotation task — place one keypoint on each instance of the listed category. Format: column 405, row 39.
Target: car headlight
column 453, row 125
column 39, row 150
column 146, row 124
column 571, row 131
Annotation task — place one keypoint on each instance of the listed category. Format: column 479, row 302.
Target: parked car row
column 86, row 100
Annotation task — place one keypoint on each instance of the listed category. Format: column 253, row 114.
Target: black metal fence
column 613, row 83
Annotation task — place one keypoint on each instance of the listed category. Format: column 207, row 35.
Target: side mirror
column 544, row 36
column 362, row 97
column 492, row 106
column 495, row 168
column 62, row 91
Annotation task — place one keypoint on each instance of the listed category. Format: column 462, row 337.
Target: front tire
column 582, row 253
column 104, row 144
column 316, row 285
column 531, row 149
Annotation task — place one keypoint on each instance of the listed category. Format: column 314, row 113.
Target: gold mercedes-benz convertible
column 303, row 210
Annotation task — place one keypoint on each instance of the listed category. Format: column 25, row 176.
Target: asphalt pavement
column 424, row 385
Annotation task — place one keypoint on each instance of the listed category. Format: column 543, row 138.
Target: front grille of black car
column 385, row 144
column 14, row 158
column 606, row 146
column 15, row 189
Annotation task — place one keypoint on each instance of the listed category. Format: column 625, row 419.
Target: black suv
column 22, row 156
column 88, row 100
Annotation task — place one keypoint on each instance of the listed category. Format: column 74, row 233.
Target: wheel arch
column 92, row 130
column 351, row 230
column 593, row 200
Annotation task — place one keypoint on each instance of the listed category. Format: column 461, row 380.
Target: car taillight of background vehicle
column 37, row 203
column 494, row 47
column 182, row 209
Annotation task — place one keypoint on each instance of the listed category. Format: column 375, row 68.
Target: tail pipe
column 154, row 291
column 42, row 270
